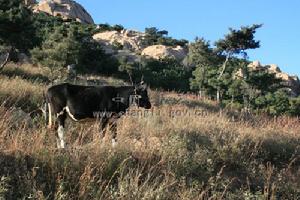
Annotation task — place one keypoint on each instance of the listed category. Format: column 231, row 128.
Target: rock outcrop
column 66, row 9
column 18, row 116
column 128, row 39
column 292, row 83
column 161, row 51
column 132, row 41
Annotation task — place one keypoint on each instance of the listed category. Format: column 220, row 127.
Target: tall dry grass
column 182, row 149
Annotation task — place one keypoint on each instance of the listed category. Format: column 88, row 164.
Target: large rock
column 273, row 68
column 18, row 116
column 290, row 82
column 255, row 65
column 66, row 9
column 129, row 39
column 133, row 41
column 161, row 51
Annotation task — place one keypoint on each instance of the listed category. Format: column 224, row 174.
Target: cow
column 105, row 103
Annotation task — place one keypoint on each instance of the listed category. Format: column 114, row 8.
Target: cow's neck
column 125, row 92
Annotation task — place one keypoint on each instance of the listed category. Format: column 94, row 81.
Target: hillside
column 182, row 149
column 220, row 126
column 133, row 49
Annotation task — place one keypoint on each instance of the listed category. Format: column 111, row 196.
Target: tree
column 278, row 102
column 72, row 44
column 236, row 43
column 295, row 106
column 263, row 81
column 168, row 74
column 44, row 25
column 58, row 50
column 118, row 27
column 235, row 90
column 202, row 58
column 153, row 36
column 16, row 29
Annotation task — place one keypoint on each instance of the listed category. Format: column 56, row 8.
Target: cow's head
column 142, row 93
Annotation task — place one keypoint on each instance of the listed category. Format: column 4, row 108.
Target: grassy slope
column 169, row 153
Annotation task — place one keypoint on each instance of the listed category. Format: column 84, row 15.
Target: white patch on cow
column 50, row 116
column 61, row 112
column 114, row 143
column 70, row 114
column 60, row 142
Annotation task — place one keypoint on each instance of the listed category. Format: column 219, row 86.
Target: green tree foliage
column 44, row 26
column 294, row 106
column 236, row 90
column 205, row 62
column 245, row 89
column 168, row 74
column 263, row 81
column 154, row 36
column 58, row 50
column 72, row 44
column 274, row 103
column 223, row 71
column 107, row 27
column 16, row 28
column 128, row 67
column 236, row 42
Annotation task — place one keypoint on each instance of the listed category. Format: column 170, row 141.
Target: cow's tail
column 48, row 111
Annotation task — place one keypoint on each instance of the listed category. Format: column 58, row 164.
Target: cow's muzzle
column 148, row 105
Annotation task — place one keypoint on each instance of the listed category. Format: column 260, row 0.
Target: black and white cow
column 106, row 103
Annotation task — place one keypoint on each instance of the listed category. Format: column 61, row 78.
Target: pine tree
column 202, row 58
column 16, row 28
column 59, row 50
column 236, row 42
column 72, row 44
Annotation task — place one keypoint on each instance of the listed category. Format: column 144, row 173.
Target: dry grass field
column 182, row 149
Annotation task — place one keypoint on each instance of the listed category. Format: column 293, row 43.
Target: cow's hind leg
column 113, row 129
column 103, row 127
column 109, row 123
column 61, row 118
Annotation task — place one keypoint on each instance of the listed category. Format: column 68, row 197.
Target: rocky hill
column 162, row 51
column 133, row 42
column 292, row 83
column 67, row 9
column 129, row 39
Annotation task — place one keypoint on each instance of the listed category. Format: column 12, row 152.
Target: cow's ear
column 143, row 86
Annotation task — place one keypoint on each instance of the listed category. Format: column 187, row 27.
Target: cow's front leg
column 103, row 126
column 113, row 129
column 61, row 118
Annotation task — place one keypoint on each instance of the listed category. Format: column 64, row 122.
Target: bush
column 73, row 44
column 166, row 74
column 155, row 37
column 294, row 106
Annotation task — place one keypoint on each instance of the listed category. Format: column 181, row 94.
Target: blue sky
column 211, row 19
